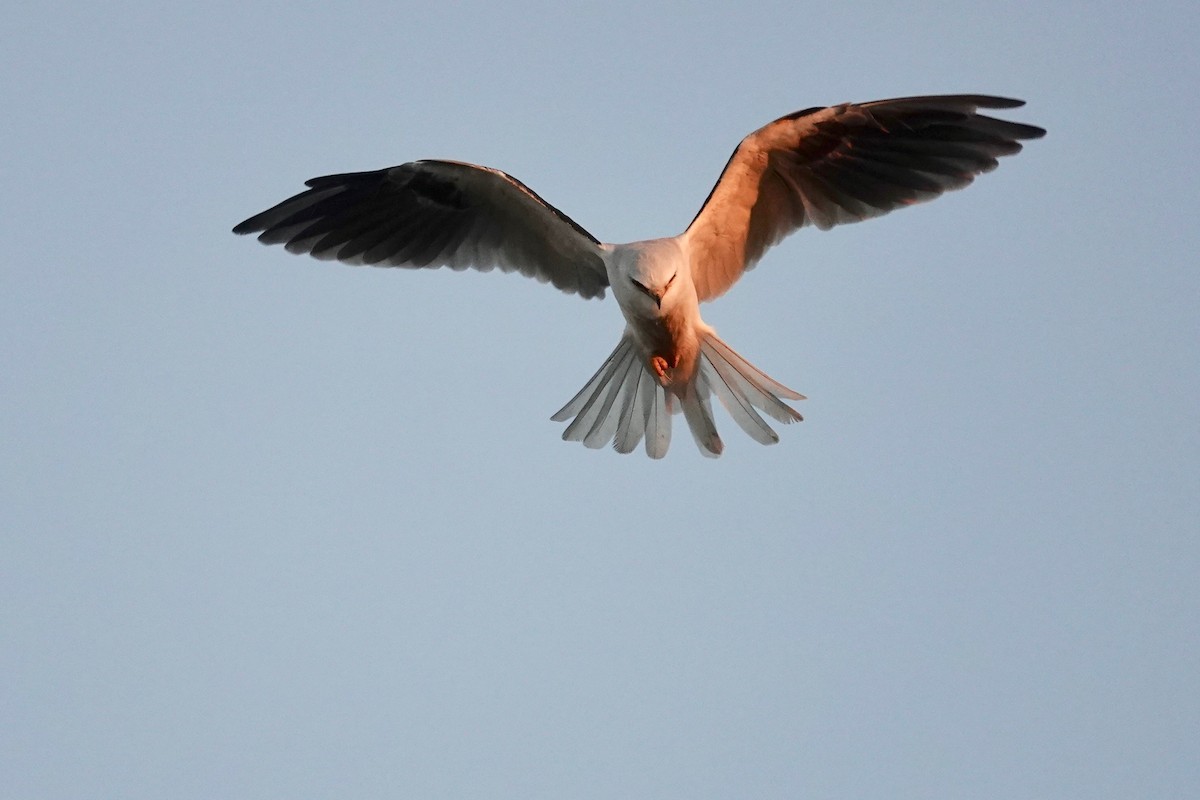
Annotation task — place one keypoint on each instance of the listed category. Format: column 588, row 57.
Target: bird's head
column 651, row 271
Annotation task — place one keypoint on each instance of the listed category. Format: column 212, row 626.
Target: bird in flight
column 823, row 166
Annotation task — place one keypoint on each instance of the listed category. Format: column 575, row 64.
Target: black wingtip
column 246, row 226
column 991, row 101
column 1021, row 130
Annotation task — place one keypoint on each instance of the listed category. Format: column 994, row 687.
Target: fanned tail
column 624, row 401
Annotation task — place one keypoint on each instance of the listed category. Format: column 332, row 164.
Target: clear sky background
column 274, row 527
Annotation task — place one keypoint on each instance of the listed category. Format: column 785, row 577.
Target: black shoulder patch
column 799, row 114
column 436, row 190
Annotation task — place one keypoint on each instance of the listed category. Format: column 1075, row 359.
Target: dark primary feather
column 433, row 214
column 842, row 164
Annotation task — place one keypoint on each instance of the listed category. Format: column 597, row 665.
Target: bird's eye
column 672, row 277
column 639, row 285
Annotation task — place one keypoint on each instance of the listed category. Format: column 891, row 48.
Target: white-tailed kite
column 821, row 166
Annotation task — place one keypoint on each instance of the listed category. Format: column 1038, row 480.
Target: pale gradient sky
column 274, row 527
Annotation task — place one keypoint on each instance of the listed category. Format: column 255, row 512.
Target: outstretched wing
column 435, row 214
column 841, row 164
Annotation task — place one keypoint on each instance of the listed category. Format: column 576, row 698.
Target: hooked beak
column 656, row 296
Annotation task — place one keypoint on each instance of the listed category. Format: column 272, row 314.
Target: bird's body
column 822, row 166
column 659, row 303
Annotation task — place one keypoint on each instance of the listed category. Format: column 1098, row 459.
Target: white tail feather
column 735, row 401
column 632, row 425
column 575, row 404
column 624, row 401
column 697, row 410
column 658, row 420
column 592, row 416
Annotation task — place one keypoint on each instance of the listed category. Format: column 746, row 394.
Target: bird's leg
column 659, row 365
column 662, row 367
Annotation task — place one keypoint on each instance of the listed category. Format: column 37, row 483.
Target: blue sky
column 274, row 527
